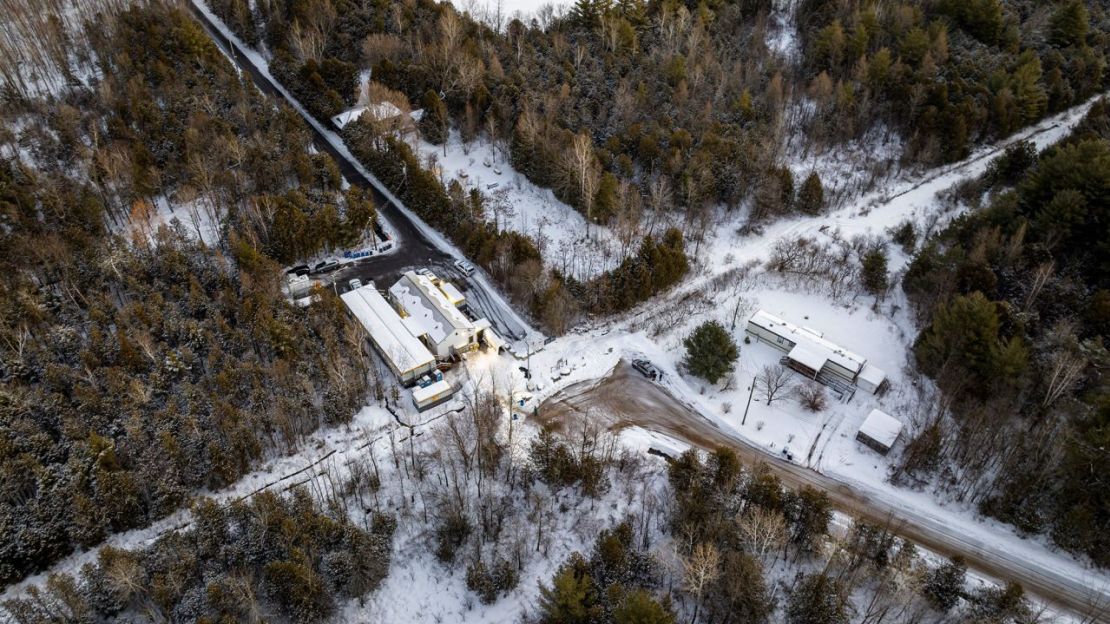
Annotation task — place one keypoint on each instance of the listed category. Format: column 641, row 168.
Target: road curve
column 625, row 398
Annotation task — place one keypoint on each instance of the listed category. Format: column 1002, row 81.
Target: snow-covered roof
column 429, row 310
column 813, row 340
column 430, row 391
column 872, row 375
column 807, row 358
column 378, row 111
column 453, row 294
column 379, row 318
column 881, row 427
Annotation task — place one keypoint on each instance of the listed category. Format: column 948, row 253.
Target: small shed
column 880, row 431
column 432, row 395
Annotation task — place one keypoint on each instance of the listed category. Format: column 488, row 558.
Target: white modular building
column 401, row 350
column 811, row 354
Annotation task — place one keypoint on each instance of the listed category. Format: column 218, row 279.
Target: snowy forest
column 152, row 365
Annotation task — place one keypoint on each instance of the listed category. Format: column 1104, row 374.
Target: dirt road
column 625, row 398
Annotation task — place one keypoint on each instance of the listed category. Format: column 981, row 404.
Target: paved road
column 414, row 250
column 625, row 398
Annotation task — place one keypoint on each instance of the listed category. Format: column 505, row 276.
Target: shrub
column 812, row 397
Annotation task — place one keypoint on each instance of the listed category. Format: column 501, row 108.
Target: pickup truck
column 647, row 369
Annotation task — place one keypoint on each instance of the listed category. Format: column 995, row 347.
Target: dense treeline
column 948, row 74
column 742, row 548
column 614, row 94
column 272, row 558
column 510, row 257
column 137, row 370
column 682, row 103
column 1017, row 309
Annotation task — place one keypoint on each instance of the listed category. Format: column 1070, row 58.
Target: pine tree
column 638, row 607
column 710, row 352
column 944, row 585
column 572, row 597
column 1070, row 24
column 874, row 272
column 964, row 333
column 816, row 600
column 588, row 13
column 435, row 122
column 811, row 197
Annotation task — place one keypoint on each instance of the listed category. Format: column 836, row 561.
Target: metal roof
column 812, row 340
column 404, row 350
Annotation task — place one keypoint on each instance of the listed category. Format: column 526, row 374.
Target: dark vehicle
column 647, row 369
column 327, row 266
column 300, row 269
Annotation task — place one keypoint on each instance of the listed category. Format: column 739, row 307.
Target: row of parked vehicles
column 327, row 266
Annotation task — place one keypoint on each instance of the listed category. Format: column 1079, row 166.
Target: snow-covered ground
column 495, row 12
column 419, row 588
column 515, row 203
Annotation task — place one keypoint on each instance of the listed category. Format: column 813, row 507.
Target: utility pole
column 751, row 391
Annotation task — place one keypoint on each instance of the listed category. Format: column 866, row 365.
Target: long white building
column 401, row 350
column 810, row 353
column 420, row 324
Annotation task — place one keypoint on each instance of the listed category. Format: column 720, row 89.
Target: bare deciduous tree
column 762, row 531
column 771, row 381
column 699, row 571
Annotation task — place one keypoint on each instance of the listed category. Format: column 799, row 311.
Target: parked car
column 300, row 269
column 326, row 266
column 355, row 284
column 465, row 267
column 647, row 369
column 426, row 272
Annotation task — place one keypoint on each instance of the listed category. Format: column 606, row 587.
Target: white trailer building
column 811, row 354
column 880, row 431
column 401, row 350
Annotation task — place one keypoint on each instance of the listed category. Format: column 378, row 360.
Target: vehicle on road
column 327, row 266
column 464, row 266
column 426, row 272
column 647, row 369
column 300, row 269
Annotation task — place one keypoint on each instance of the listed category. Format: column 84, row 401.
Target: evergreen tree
column 588, row 13
column 811, row 197
column 1069, row 24
column 964, row 334
column 435, row 122
column 639, row 607
column 740, row 591
column 817, row 599
column 710, row 352
column 572, row 597
column 944, row 586
column 874, row 272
